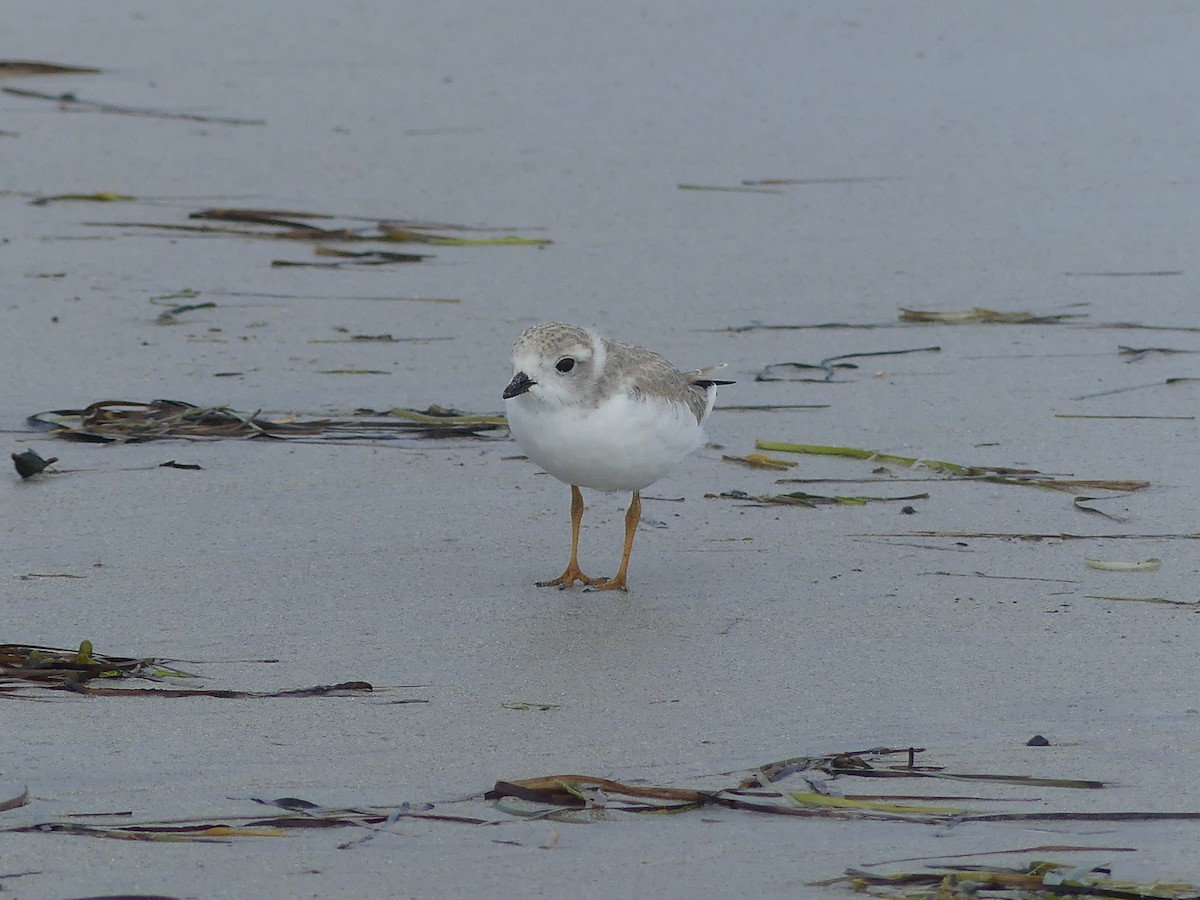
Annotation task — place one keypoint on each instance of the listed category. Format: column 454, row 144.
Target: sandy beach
column 760, row 185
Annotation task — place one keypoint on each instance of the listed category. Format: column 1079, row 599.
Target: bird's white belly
column 624, row 444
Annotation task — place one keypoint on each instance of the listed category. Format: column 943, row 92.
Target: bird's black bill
column 520, row 384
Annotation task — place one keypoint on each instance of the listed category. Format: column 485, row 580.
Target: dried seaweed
column 350, row 258
column 800, row 498
column 858, row 762
column 757, row 791
column 1035, row 536
column 1040, row 848
column 1141, row 326
column 134, row 421
column 815, row 326
column 1039, row 880
column 368, row 815
column 16, row 801
column 850, row 180
column 342, row 689
column 1138, row 387
column 743, row 188
column 1137, row 354
column 912, row 317
column 421, row 235
column 295, row 814
column 72, row 102
column 264, row 295
column 322, row 230
column 994, row 474
column 1154, row 273
column 1079, row 502
column 1002, row 577
column 1095, row 416
column 762, row 461
column 770, row 407
column 27, row 665
column 1159, row 600
column 289, row 220
column 171, row 316
column 376, row 339
column 830, row 365
column 986, row 316
column 1112, row 565
column 22, row 67
column 305, row 233
column 94, row 197
column 160, row 832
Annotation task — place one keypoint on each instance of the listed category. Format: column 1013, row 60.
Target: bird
column 605, row 415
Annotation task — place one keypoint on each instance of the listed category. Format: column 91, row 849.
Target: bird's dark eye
column 566, row 364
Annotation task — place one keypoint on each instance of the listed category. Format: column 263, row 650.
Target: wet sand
column 1015, row 158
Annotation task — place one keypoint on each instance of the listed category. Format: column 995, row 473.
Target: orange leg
column 572, row 573
column 632, row 516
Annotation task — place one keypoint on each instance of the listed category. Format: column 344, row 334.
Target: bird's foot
column 608, row 584
column 569, row 577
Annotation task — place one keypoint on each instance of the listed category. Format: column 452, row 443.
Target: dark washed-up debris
column 28, row 463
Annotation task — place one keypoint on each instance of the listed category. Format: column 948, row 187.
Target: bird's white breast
column 624, row 444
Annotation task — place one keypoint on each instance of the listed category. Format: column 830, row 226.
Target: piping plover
column 600, row 414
